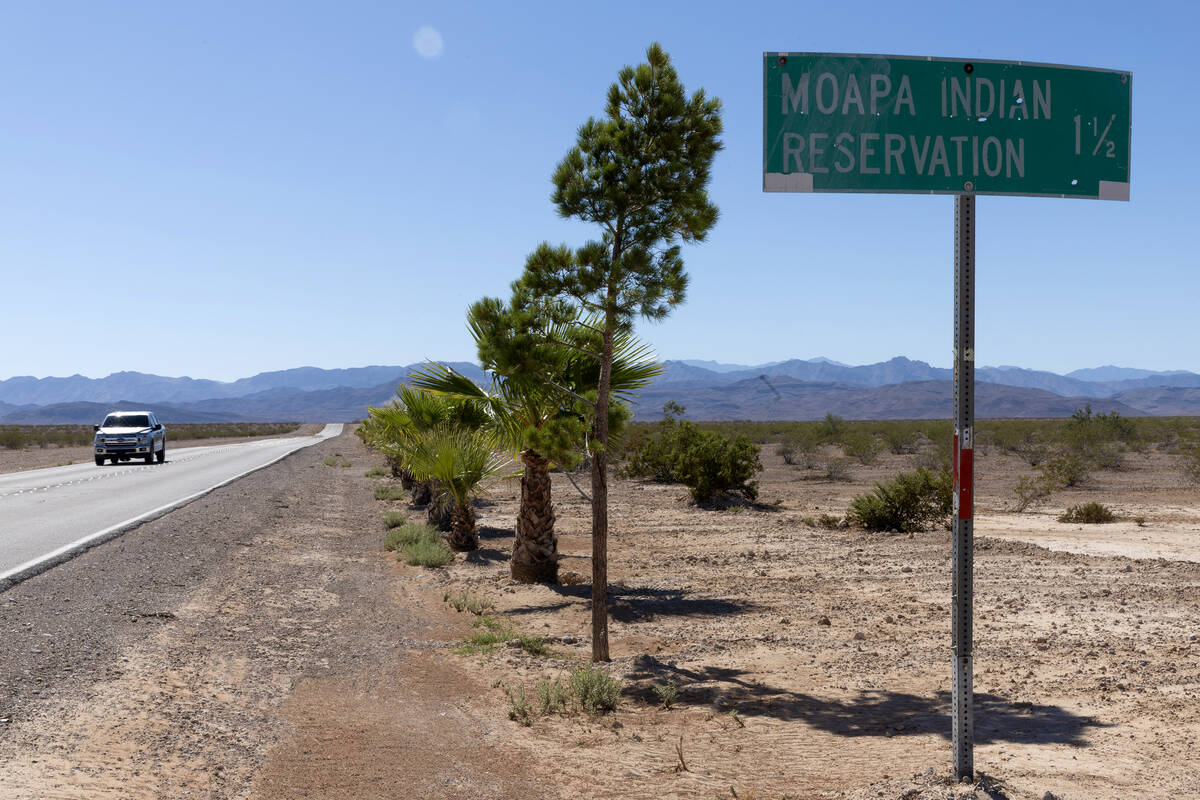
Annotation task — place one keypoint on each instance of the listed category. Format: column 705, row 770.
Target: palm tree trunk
column 440, row 511
column 463, row 535
column 535, row 551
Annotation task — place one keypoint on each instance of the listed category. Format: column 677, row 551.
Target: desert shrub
column 910, row 502
column 518, row 707
column 708, row 463
column 1092, row 513
column 832, row 426
column 375, row 472
column 426, row 553
column 900, row 439
column 420, row 545
column 595, row 690
column 1066, row 470
column 667, row 693
column 389, row 493
column 1033, row 490
column 465, row 601
column 392, row 519
column 12, row 438
column 553, row 696
column 410, row 533
column 862, row 446
column 1034, row 452
column 1191, row 463
column 837, row 469
column 488, row 633
column 830, row 522
column 1099, row 439
column 800, row 447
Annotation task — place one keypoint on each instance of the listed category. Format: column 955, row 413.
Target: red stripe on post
column 966, row 474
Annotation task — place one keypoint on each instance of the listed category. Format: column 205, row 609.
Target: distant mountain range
column 796, row 389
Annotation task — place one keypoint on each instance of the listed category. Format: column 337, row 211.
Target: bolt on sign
column 863, row 123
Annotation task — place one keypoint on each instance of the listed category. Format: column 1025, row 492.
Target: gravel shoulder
column 207, row 653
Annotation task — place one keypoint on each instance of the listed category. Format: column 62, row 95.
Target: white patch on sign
column 787, row 182
column 1114, row 190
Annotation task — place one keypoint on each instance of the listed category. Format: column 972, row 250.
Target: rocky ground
column 259, row 644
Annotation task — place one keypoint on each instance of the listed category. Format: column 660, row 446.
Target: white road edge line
column 65, row 553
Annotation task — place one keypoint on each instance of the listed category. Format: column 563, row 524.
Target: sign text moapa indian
column 838, row 123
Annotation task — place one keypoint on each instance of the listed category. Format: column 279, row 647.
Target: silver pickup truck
column 126, row 434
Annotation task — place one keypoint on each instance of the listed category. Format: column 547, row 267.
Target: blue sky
column 219, row 189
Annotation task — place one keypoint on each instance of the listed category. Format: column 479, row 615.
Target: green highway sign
column 860, row 123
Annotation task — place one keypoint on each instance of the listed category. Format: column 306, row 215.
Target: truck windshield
column 126, row 421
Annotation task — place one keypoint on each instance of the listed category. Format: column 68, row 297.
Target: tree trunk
column 535, row 551
column 600, row 498
column 440, row 512
column 407, row 481
column 463, row 535
column 421, row 492
column 394, row 465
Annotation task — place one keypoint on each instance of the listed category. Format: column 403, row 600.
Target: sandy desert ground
column 832, row 645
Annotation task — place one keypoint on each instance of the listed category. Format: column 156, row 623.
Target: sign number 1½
column 1101, row 136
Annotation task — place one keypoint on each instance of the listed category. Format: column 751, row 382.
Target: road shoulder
column 212, row 652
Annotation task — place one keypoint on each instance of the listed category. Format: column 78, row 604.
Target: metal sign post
column 962, row 726
column 844, row 122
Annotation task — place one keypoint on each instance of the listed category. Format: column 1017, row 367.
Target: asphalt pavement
column 50, row 515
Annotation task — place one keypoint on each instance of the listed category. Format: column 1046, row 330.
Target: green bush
column 910, row 502
column 667, row 693
column 552, row 696
column 800, row 447
column 832, row 426
column 421, row 545
column 518, row 707
column 1191, row 463
column 375, row 472
column 409, row 533
column 862, row 446
column 390, row 493
column 708, row 463
column 427, row 553
column 392, row 519
column 900, row 439
column 1091, row 513
column 1033, row 490
column 595, row 690
column 1066, row 470
column 12, row 438
column 837, row 469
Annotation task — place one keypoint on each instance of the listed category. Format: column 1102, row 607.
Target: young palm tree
column 459, row 461
column 395, row 428
column 538, row 405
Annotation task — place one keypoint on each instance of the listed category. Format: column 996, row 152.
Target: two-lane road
column 49, row 515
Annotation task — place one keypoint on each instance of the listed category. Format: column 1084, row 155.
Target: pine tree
column 641, row 173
